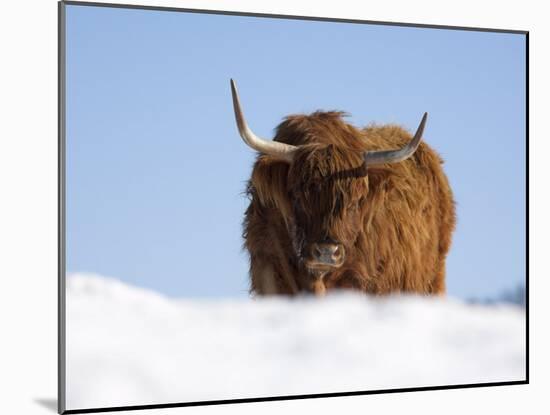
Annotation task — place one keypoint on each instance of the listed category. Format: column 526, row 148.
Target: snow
column 131, row 346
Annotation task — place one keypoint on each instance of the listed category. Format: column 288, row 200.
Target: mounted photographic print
column 261, row 207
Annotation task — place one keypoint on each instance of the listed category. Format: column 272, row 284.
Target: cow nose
column 327, row 253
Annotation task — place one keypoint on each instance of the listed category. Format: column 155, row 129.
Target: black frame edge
column 290, row 397
column 291, row 17
column 527, row 206
column 61, row 304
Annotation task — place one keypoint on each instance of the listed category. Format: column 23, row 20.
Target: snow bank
column 130, row 346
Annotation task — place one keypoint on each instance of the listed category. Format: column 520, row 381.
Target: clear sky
column 156, row 170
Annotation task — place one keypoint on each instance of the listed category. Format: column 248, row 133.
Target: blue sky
column 156, row 169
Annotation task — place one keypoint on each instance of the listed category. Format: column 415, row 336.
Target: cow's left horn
column 273, row 148
column 394, row 156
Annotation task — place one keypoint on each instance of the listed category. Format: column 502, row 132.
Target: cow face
column 327, row 187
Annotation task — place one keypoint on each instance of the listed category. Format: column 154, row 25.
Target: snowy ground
column 130, row 346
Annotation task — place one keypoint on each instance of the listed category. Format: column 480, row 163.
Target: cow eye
column 355, row 205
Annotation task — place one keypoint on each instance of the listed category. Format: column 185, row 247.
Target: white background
column 28, row 204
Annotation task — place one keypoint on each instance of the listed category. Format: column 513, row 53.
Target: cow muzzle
column 324, row 256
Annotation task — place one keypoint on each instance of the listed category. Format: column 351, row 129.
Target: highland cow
column 333, row 206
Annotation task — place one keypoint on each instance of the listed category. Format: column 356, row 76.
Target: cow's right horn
column 373, row 158
column 281, row 151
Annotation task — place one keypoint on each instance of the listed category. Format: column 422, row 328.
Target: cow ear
column 378, row 174
column 271, row 181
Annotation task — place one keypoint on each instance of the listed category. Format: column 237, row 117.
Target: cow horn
column 394, row 156
column 273, row 148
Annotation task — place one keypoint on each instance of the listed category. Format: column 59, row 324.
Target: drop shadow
column 47, row 403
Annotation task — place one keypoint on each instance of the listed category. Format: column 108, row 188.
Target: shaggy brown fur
column 395, row 221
